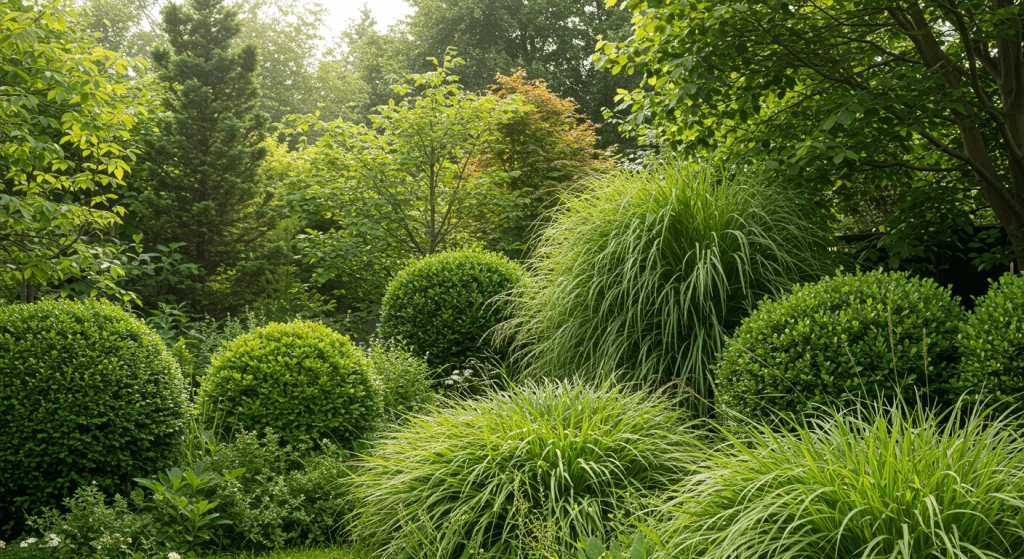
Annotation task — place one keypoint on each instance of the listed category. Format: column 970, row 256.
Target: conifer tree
column 200, row 164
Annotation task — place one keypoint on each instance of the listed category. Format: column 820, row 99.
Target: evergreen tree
column 201, row 163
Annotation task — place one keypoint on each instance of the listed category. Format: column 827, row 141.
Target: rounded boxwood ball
column 301, row 379
column 442, row 307
column 88, row 394
column 992, row 344
column 869, row 335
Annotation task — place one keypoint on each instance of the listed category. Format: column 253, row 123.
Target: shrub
column 444, row 305
column 405, row 382
column 92, row 527
column 863, row 483
column 992, row 343
column 873, row 334
column 88, row 394
column 535, row 470
column 647, row 271
column 303, row 380
column 251, row 494
column 286, row 496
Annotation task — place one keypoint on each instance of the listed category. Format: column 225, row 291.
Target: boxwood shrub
column 525, row 473
column 871, row 334
column 992, row 343
column 88, row 395
column 444, row 305
column 303, row 380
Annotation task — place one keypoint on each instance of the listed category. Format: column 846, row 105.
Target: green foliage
column 198, row 178
column 90, row 395
column 872, row 335
column 647, row 271
column 405, row 380
column 847, row 93
column 992, row 343
column 551, row 40
column 286, row 496
column 208, row 336
column 180, row 506
column 636, row 548
column 91, row 527
column 66, row 116
column 866, row 483
column 443, row 306
column 303, row 380
column 407, row 178
column 252, row 493
column 524, row 473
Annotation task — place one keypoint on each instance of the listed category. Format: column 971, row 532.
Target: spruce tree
column 200, row 165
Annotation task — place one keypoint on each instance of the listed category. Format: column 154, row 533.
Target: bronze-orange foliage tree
column 542, row 150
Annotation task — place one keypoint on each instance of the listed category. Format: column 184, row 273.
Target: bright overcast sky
column 386, row 12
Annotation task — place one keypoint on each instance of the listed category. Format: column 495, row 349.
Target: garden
column 672, row 280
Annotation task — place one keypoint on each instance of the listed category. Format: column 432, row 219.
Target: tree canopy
column 923, row 88
column 66, row 148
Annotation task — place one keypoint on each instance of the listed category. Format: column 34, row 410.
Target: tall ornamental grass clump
column 88, row 396
column 870, row 335
column 992, row 343
column 529, row 472
column 891, row 482
column 647, row 271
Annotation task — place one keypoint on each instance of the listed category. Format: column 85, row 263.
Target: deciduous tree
column 925, row 87
column 66, row 120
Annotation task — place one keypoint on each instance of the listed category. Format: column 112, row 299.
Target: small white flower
column 51, row 541
column 3, row 544
column 173, row 555
column 28, row 542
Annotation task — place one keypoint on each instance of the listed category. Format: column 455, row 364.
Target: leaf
column 594, row 548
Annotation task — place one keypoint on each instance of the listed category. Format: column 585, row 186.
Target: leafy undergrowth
column 333, row 553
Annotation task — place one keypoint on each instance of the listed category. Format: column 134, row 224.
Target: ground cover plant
column 444, row 305
column 252, row 494
column 88, row 395
column 648, row 271
column 303, row 380
column 531, row 471
column 874, row 334
column 992, row 343
column 893, row 481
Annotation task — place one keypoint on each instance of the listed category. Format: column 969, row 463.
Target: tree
column 199, row 172
column 551, row 39
column 131, row 27
column 411, row 172
column 65, row 133
column 916, row 89
column 541, row 151
column 288, row 33
column 377, row 60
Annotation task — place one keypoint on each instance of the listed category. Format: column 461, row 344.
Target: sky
column 386, row 12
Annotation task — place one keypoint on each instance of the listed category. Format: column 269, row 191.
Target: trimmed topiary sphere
column 88, row 394
column 525, row 473
column 301, row 379
column 992, row 343
column 870, row 335
column 444, row 305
